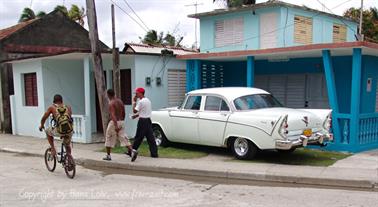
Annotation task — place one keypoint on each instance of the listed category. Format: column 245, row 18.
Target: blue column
column 332, row 95
column 193, row 75
column 197, row 74
column 250, row 71
column 356, row 96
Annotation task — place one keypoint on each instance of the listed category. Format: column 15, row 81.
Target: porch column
column 87, row 100
column 355, row 96
column 250, row 71
column 332, row 95
column 193, row 80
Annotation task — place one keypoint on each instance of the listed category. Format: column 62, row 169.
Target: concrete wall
column 143, row 66
column 65, row 77
column 322, row 29
column 26, row 119
column 369, row 70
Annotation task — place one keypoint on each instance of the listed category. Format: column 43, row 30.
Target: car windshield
column 256, row 101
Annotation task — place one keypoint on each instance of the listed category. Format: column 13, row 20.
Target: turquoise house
column 304, row 57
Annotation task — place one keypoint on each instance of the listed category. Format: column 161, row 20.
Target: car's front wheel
column 243, row 148
column 160, row 138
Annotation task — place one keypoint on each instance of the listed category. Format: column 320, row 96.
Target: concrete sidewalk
column 358, row 171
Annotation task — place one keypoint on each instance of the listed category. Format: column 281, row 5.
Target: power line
column 132, row 18
column 334, row 13
column 131, row 8
column 284, row 27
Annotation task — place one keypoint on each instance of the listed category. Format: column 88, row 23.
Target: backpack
column 63, row 120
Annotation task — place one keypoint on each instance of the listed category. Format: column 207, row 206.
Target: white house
column 37, row 80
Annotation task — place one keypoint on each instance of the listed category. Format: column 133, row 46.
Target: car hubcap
column 241, row 146
column 158, row 137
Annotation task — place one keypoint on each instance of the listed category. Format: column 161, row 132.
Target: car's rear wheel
column 160, row 138
column 243, row 148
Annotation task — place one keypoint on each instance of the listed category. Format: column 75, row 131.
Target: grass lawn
column 166, row 152
column 301, row 156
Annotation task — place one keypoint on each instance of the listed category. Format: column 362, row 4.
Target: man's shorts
column 52, row 131
column 112, row 136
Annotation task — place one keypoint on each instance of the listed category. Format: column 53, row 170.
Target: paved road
column 24, row 181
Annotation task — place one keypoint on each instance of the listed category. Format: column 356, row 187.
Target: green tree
column 236, row 3
column 62, row 9
column 28, row 14
column 77, row 14
column 369, row 23
column 152, row 37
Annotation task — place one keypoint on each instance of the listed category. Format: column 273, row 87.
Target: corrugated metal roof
column 156, row 50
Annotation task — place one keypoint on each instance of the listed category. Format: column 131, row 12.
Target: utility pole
column 195, row 24
column 116, row 71
column 97, row 62
column 361, row 36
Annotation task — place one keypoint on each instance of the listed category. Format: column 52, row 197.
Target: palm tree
column 152, row 37
column 28, row 14
column 77, row 14
column 62, row 9
column 236, row 3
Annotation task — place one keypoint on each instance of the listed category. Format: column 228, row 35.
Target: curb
column 226, row 176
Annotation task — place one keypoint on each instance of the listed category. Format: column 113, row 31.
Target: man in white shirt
column 142, row 109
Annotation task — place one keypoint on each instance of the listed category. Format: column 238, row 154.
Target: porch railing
column 366, row 136
column 79, row 128
column 368, row 131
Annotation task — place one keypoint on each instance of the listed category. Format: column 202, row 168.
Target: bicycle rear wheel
column 50, row 160
column 69, row 166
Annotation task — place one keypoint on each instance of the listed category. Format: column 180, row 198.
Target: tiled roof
column 151, row 49
column 13, row 29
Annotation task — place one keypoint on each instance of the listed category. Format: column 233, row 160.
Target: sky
column 161, row 15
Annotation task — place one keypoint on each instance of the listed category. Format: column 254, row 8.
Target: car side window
column 193, row 103
column 214, row 103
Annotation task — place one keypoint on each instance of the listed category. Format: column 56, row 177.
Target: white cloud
column 161, row 15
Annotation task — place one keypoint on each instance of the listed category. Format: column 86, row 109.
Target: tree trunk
column 97, row 62
column 6, row 122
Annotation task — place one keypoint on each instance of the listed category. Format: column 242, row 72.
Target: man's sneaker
column 107, row 157
column 134, row 155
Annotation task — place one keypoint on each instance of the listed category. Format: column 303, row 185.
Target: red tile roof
column 11, row 30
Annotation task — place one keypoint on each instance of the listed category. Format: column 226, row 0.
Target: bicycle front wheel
column 69, row 166
column 50, row 160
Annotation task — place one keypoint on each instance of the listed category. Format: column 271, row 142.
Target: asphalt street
column 24, row 181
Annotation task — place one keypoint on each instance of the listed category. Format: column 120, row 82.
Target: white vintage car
column 244, row 119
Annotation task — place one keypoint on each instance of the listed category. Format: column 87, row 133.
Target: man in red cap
column 142, row 109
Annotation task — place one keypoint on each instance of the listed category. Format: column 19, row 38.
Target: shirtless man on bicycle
column 63, row 124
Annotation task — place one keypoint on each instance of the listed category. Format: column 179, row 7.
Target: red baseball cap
column 139, row 90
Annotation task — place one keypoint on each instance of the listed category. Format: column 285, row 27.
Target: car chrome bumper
column 316, row 139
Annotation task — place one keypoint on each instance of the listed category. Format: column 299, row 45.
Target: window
column 256, row 102
column 30, row 89
column 229, row 32
column 193, row 103
column 302, row 30
column 126, row 86
column 176, row 86
column 339, row 33
column 215, row 104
